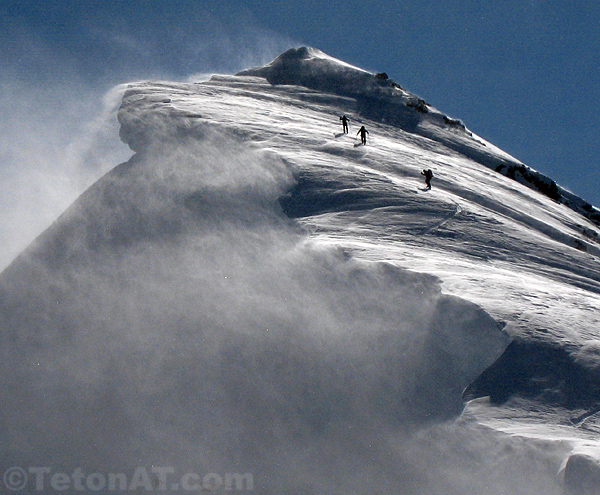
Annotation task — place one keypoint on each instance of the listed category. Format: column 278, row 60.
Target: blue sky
column 524, row 74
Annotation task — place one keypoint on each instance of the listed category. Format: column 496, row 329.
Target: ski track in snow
column 444, row 221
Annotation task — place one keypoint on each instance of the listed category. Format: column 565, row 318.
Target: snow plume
column 59, row 63
column 174, row 316
column 54, row 142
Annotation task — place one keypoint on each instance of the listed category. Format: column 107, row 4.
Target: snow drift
column 253, row 293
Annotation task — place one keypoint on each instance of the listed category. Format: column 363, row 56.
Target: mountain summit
column 260, row 299
column 380, row 98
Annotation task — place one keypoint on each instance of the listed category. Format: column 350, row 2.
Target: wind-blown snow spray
column 56, row 141
column 57, row 134
column 192, row 325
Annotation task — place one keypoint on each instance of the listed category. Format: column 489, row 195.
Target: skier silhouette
column 363, row 134
column 345, row 121
column 428, row 176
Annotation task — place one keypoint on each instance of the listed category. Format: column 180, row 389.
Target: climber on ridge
column 345, row 121
column 428, row 176
column 363, row 135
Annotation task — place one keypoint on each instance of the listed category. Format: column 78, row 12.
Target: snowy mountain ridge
column 382, row 99
column 256, row 291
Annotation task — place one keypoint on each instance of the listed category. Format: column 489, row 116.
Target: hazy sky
column 523, row 74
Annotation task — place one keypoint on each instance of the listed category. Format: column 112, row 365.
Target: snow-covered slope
column 255, row 292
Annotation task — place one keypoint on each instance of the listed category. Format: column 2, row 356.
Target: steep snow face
column 256, row 292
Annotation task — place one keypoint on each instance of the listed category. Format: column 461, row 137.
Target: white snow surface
column 256, row 292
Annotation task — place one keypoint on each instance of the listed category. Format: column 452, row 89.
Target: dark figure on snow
column 345, row 121
column 428, row 176
column 363, row 135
